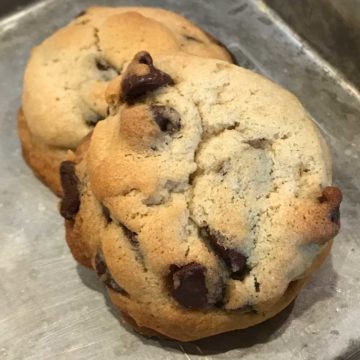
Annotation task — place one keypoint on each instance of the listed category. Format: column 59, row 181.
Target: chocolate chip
column 70, row 202
column 233, row 258
column 189, row 285
column 167, row 118
column 136, row 84
column 104, row 275
column 240, row 275
column 106, row 213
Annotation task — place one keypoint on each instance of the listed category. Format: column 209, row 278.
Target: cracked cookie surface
column 208, row 197
column 65, row 79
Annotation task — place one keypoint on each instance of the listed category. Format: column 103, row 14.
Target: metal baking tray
column 51, row 308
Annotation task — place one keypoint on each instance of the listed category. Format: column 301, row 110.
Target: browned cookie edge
column 44, row 161
column 143, row 326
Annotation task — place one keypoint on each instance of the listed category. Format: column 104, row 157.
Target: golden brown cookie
column 67, row 74
column 204, row 201
column 43, row 160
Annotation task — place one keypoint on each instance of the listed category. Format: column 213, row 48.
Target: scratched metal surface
column 50, row 308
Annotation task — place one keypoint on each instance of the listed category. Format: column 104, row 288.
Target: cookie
column 204, row 201
column 66, row 76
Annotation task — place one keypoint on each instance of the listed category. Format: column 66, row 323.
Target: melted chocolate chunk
column 104, row 275
column 70, row 202
column 233, row 258
column 135, row 85
column 189, row 285
column 167, row 118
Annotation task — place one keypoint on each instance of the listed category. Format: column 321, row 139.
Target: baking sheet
column 51, row 308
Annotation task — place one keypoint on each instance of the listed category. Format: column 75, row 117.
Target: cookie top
column 67, row 74
column 216, row 183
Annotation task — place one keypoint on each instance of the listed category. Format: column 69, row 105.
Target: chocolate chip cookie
column 204, row 201
column 65, row 79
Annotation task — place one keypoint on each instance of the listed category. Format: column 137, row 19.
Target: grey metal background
column 331, row 26
column 50, row 308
